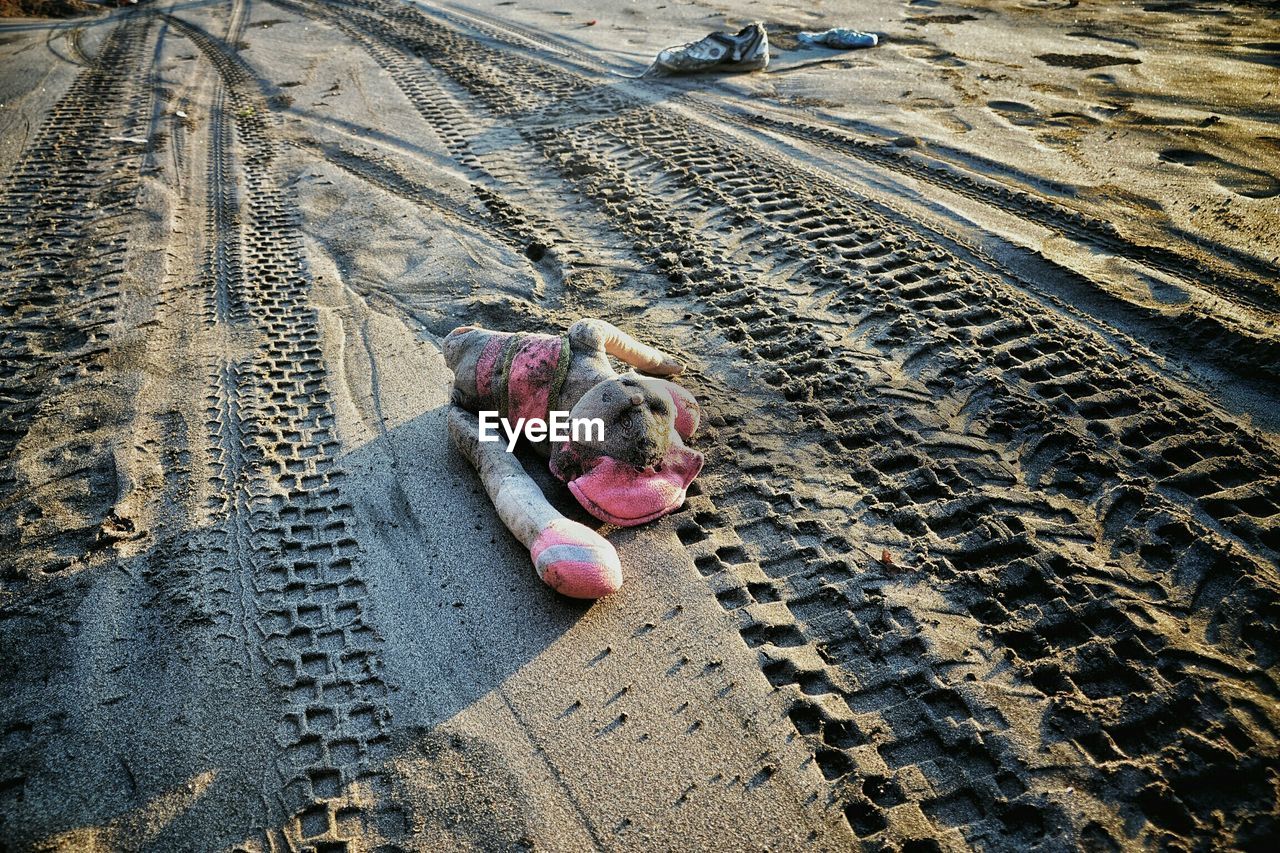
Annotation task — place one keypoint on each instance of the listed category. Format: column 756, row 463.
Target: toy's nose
column 637, row 399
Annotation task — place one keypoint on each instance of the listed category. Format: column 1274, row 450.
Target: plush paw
column 669, row 367
column 576, row 561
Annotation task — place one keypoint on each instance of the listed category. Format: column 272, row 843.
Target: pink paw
column 576, row 561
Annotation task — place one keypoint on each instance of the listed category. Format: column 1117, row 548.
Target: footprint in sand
column 1015, row 112
column 952, row 122
column 1251, row 183
column 940, row 111
column 934, row 55
column 1069, row 119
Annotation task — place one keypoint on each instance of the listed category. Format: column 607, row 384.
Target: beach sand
column 983, row 321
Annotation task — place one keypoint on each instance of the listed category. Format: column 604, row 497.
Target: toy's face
column 641, row 469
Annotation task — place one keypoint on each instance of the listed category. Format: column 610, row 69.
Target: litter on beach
column 839, row 38
column 745, row 50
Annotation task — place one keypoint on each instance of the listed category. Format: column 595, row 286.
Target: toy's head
column 640, row 469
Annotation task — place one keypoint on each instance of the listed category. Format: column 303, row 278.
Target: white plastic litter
column 839, row 38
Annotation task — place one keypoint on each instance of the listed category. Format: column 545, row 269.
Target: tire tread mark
column 291, row 531
column 62, row 257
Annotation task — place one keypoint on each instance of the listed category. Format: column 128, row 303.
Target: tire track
column 1256, row 288
column 62, row 258
column 929, row 284
column 977, row 527
column 222, row 267
column 1259, row 293
column 981, row 540
column 289, row 531
column 1010, row 567
column 1240, row 280
column 854, row 239
column 514, row 218
column 518, row 227
column 1241, row 347
column 68, row 213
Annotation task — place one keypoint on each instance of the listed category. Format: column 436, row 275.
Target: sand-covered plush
column 633, row 469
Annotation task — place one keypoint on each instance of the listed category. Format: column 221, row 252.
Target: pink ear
column 687, row 410
column 685, row 462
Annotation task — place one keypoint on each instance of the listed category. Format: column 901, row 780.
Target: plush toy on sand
column 637, row 472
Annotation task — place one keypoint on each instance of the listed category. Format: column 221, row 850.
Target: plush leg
column 625, row 348
column 571, row 558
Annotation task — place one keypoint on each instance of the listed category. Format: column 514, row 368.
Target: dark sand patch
column 1084, row 60
column 45, row 8
column 940, row 19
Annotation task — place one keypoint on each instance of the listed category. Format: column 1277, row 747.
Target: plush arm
column 571, row 558
column 620, row 345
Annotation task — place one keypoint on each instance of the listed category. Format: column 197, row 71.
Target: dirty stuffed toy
column 639, row 470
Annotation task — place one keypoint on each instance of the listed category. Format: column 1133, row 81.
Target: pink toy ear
column 621, row 494
column 688, row 412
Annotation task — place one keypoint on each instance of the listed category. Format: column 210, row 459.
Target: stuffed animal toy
column 631, row 468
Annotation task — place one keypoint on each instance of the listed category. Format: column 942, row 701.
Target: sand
column 984, row 325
